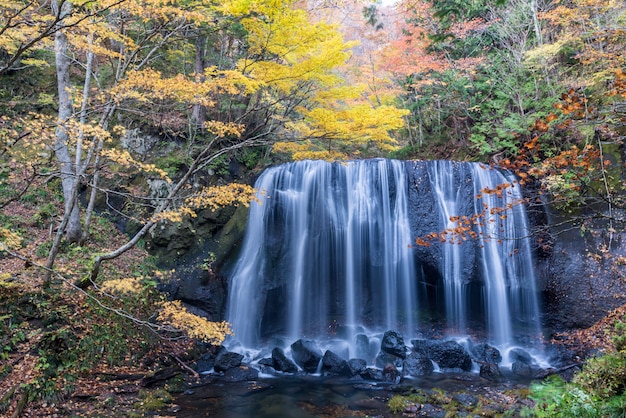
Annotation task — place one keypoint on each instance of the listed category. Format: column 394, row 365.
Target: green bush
column 599, row 390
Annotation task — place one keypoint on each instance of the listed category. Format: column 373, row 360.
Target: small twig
column 184, row 366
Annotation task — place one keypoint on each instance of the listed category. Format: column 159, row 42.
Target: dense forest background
column 129, row 115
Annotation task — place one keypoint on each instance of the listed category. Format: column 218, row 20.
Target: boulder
column 306, row 355
column 383, row 359
column 490, row 371
column 486, row 353
column 372, row 374
column 393, row 343
column 332, row 363
column 520, row 355
column 354, row 367
column 447, row 354
column 417, row 364
column 391, row 374
column 281, row 363
column 240, row 374
column 226, row 360
column 521, row 369
column 205, row 363
column 266, row 361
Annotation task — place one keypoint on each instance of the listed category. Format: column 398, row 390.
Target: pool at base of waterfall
column 313, row 396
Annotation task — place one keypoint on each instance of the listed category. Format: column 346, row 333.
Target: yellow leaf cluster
column 5, row 282
column 221, row 129
column 176, row 215
column 149, row 85
column 215, row 197
column 344, row 127
column 306, row 150
column 123, row 158
column 9, row 240
column 177, row 316
column 126, row 286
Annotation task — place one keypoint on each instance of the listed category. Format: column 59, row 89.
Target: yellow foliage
column 221, row 129
column 148, row 86
column 177, row 316
column 306, row 150
column 342, row 129
column 126, row 286
column 215, row 197
column 124, row 158
column 175, row 215
column 9, row 240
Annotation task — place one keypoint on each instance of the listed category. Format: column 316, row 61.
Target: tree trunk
column 69, row 180
column 198, row 115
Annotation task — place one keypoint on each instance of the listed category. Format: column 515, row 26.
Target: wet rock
column 393, row 343
column 383, row 359
column 372, row 374
column 417, row 364
column 490, row 371
column 411, row 409
column 240, row 374
column 560, row 356
column 332, row 364
column 354, row 367
column 391, row 374
column 447, row 354
column 521, row 369
column 205, row 363
column 281, row 363
column 267, row 361
column 226, row 360
column 544, row 373
column 306, row 355
column 519, row 355
column 428, row 410
column 487, row 353
column 465, row 399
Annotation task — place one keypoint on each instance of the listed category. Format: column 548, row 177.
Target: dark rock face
column 306, row 355
column 393, row 343
column 199, row 250
column 425, row 218
column 226, row 360
column 447, row 354
column 578, row 288
column 417, row 364
column 332, row 364
column 281, row 363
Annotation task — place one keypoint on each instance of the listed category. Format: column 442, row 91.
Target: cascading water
column 497, row 225
column 330, row 246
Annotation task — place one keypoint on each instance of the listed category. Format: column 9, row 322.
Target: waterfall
column 329, row 251
column 496, row 223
